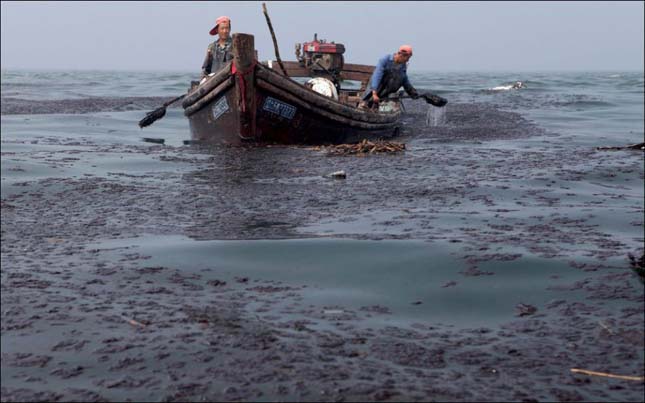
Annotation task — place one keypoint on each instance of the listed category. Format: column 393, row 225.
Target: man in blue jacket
column 390, row 74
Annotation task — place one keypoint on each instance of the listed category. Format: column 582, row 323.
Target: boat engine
column 321, row 58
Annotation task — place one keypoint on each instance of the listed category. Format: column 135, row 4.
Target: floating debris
column 607, row 375
column 638, row 146
column 525, row 309
column 153, row 140
column 133, row 322
column 638, row 266
column 333, row 311
column 337, row 175
column 194, row 142
column 366, row 147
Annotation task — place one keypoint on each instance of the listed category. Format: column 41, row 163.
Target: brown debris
column 607, row 375
column 366, row 147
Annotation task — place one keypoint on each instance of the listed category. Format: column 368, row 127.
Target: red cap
column 405, row 50
column 218, row 21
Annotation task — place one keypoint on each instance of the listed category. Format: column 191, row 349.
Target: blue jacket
column 387, row 63
column 387, row 78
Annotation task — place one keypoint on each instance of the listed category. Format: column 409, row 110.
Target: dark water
column 502, row 200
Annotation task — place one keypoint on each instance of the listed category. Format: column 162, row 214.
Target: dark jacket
column 217, row 56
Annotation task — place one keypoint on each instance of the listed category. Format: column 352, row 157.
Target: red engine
column 323, row 47
column 321, row 57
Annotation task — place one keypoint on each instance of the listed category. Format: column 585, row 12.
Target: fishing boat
column 247, row 101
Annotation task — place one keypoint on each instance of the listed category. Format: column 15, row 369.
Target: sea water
column 436, row 116
column 574, row 112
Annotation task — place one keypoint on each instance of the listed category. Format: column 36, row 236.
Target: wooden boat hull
column 258, row 104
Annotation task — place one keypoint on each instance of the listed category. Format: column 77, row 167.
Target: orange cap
column 218, row 21
column 406, row 50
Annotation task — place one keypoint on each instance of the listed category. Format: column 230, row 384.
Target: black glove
column 435, row 100
column 414, row 94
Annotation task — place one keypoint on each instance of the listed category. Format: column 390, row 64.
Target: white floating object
column 324, row 87
column 337, row 175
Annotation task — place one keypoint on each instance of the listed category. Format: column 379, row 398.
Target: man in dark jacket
column 218, row 52
column 390, row 74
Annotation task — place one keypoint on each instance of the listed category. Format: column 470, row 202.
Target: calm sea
column 565, row 115
column 500, row 214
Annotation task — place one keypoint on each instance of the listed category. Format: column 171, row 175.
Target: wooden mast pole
column 275, row 41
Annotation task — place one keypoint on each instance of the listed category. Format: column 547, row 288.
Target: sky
column 446, row 36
